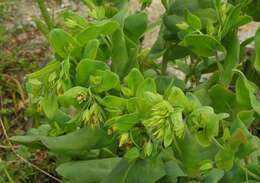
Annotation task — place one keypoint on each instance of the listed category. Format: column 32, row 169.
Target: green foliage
column 116, row 113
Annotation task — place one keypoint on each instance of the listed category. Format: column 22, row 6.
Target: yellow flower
column 124, row 139
column 164, row 122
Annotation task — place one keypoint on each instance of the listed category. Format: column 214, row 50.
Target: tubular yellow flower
column 92, row 116
column 124, row 139
column 164, row 122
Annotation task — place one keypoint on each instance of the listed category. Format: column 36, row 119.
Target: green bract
column 118, row 113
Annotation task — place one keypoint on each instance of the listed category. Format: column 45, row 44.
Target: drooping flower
column 164, row 122
column 93, row 116
column 204, row 124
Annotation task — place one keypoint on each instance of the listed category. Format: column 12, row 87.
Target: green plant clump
column 114, row 112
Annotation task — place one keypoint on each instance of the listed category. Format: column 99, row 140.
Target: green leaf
column 254, row 10
column 134, row 79
column 231, row 20
column 61, row 118
column 202, row 45
column 192, row 20
column 175, row 52
column 203, row 9
column 148, row 85
column 132, row 154
column 238, row 137
column 102, row 81
column 89, row 171
column 206, row 165
column 45, row 71
column 246, row 93
column 33, row 86
column 50, row 105
column 87, row 67
column 91, row 49
column 126, row 122
column 173, row 171
column 179, row 6
column 177, row 98
column 242, row 92
column 136, row 25
column 26, row 140
column 257, row 47
column 189, row 153
column 168, row 137
column 72, row 16
column 194, row 100
column 214, row 176
column 159, row 47
column 205, row 124
column 32, row 138
column 114, row 102
column 234, row 175
column 242, row 119
column 72, row 143
column 234, row 20
column 228, row 98
column 171, row 22
column 145, row 3
column 141, row 171
column 93, row 31
column 41, row 26
column 207, row 16
column 203, row 95
column 243, row 20
column 242, row 140
column 148, row 148
column 164, row 82
column 70, row 97
column 62, row 42
column 119, row 58
column 232, row 58
column 121, row 15
column 225, row 158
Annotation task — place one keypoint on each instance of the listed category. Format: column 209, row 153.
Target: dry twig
column 10, row 145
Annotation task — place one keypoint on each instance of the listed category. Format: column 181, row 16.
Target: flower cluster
column 164, row 122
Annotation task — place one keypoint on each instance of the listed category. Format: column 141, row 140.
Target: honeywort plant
column 115, row 112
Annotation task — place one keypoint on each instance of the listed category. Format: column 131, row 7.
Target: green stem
column 42, row 27
column 45, row 14
column 176, row 145
column 8, row 176
column 153, row 25
column 248, row 172
column 220, row 68
column 132, row 139
column 164, row 66
column 217, row 143
column 110, row 152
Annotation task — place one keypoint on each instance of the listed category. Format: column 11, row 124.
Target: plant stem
column 164, row 66
column 176, row 145
column 8, row 176
column 110, row 152
column 45, row 14
column 217, row 143
column 248, row 172
column 220, row 67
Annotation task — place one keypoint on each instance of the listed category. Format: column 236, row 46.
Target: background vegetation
column 24, row 49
